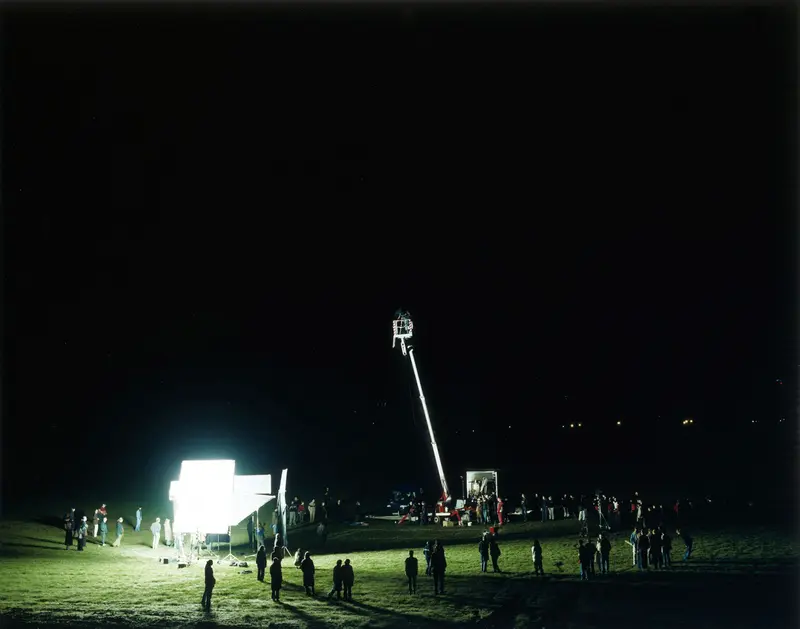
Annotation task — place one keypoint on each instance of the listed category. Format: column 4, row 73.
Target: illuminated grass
column 43, row 583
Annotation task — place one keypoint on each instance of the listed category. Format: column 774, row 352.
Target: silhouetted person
column 308, row 570
column 69, row 526
column 644, row 550
column 483, row 551
column 250, row 531
column 348, row 579
column 655, row 549
column 412, row 568
column 605, row 554
column 536, row 552
column 687, row 539
column 585, row 558
column 210, row 583
column 494, row 553
column 666, row 549
column 276, row 579
column 337, row 580
column 426, row 552
column 261, row 562
column 438, row 567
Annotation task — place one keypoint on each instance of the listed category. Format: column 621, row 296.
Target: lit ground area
column 738, row 577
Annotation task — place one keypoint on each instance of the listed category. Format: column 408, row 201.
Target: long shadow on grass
column 50, row 520
column 310, row 620
column 364, row 609
column 8, row 549
column 40, row 539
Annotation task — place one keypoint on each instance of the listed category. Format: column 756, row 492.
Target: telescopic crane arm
column 403, row 329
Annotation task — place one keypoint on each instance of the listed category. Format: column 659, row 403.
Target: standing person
column 494, row 553
column 210, row 583
column 500, row 511
column 348, row 579
column 585, row 558
column 308, row 570
column 633, row 542
column 483, row 551
column 103, row 531
column 438, row 567
column 69, row 527
column 138, row 526
column 426, row 552
column 337, row 580
column 655, row 549
column 605, row 554
column 551, row 508
column 83, row 533
column 543, row 504
column 275, row 579
column 167, row 532
column 666, row 549
column 536, row 552
column 524, row 505
column 260, row 535
column 412, row 569
column 95, row 522
column 687, row 539
column 261, row 562
column 644, row 549
column 312, row 510
column 120, row 533
column 250, row 531
column 155, row 529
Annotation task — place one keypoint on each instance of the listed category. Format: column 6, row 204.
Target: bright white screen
column 209, row 497
column 205, row 495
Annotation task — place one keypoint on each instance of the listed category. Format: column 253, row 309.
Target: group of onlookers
column 77, row 528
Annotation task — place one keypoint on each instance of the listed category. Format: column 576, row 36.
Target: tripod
column 198, row 550
column 230, row 556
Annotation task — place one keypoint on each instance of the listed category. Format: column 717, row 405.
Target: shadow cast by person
column 57, row 542
column 50, row 520
column 309, row 620
column 362, row 608
column 10, row 547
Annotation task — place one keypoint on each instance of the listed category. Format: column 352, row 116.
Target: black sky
column 212, row 217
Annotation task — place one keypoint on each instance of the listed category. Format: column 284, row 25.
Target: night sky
column 211, row 218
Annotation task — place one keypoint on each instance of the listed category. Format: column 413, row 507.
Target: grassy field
column 736, row 578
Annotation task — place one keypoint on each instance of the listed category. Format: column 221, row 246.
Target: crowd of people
column 76, row 528
column 650, row 542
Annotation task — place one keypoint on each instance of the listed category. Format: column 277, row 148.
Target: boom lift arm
column 402, row 329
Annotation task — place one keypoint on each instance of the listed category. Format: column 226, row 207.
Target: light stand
column 230, row 556
column 197, row 544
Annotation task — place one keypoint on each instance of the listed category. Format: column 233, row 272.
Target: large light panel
column 209, row 497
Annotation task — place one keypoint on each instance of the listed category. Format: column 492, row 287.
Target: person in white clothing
column 155, row 529
column 167, row 533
